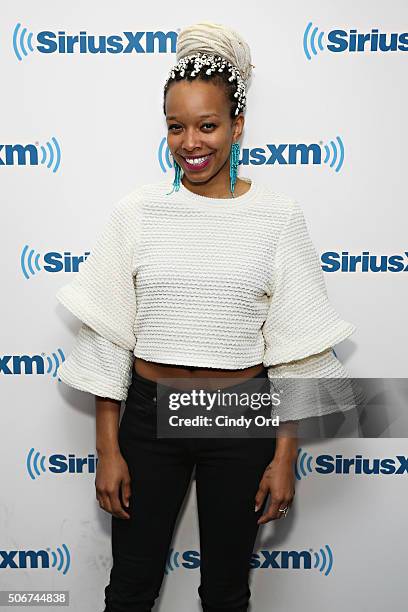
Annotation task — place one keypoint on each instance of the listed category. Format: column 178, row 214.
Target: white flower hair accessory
column 211, row 64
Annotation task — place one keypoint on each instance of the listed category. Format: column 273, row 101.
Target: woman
column 216, row 277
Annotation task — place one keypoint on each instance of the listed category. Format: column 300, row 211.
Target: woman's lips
column 197, row 166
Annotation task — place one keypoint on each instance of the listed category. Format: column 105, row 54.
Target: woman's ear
column 238, row 126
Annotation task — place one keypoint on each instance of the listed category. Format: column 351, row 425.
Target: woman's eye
column 175, row 126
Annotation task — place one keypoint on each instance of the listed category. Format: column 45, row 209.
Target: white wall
column 105, row 113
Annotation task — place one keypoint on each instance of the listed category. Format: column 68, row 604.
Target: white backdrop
column 80, row 130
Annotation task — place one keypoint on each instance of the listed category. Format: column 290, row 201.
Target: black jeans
column 228, row 472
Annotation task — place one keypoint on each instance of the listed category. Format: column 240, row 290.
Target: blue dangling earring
column 178, row 174
column 234, row 161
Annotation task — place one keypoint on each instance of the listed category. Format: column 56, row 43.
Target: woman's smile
column 195, row 164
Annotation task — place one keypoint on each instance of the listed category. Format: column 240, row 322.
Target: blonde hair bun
column 216, row 39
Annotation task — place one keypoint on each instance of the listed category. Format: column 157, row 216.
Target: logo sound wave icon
column 323, row 558
column 309, row 40
column 54, row 363
column 334, row 154
column 172, row 561
column 164, row 155
column 21, row 40
column 29, row 260
column 35, row 463
column 61, row 559
column 303, row 464
column 51, row 154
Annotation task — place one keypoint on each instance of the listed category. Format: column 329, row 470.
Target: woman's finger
column 273, row 510
column 104, row 502
column 126, row 491
column 116, row 506
column 260, row 497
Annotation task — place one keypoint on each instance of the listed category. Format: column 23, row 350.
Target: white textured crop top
column 180, row 278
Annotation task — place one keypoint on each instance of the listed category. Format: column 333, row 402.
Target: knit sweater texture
column 184, row 279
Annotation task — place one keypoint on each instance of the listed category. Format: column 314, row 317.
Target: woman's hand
column 279, row 481
column 112, row 476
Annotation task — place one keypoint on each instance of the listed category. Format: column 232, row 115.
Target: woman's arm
column 112, row 473
column 286, row 442
column 107, row 426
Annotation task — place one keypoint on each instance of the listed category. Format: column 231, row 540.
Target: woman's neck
column 217, row 187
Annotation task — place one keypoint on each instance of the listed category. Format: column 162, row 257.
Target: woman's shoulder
column 144, row 192
column 275, row 196
column 280, row 206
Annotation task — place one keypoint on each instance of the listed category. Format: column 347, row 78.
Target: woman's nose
column 191, row 140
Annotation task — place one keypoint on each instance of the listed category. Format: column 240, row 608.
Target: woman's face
column 199, row 125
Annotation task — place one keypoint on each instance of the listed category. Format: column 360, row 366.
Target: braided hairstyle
column 220, row 79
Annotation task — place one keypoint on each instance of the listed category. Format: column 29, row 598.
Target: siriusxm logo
column 352, row 41
column 333, row 261
column 59, row 464
column 358, row 465
column 31, row 264
column 16, row 365
column 284, row 154
column 32, row 154
column 322, row 560
column 46, row 41
column 37, row 559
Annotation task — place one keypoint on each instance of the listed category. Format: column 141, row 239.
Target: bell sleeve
column 102, row 296
column 97, row 366
column 302, row 328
